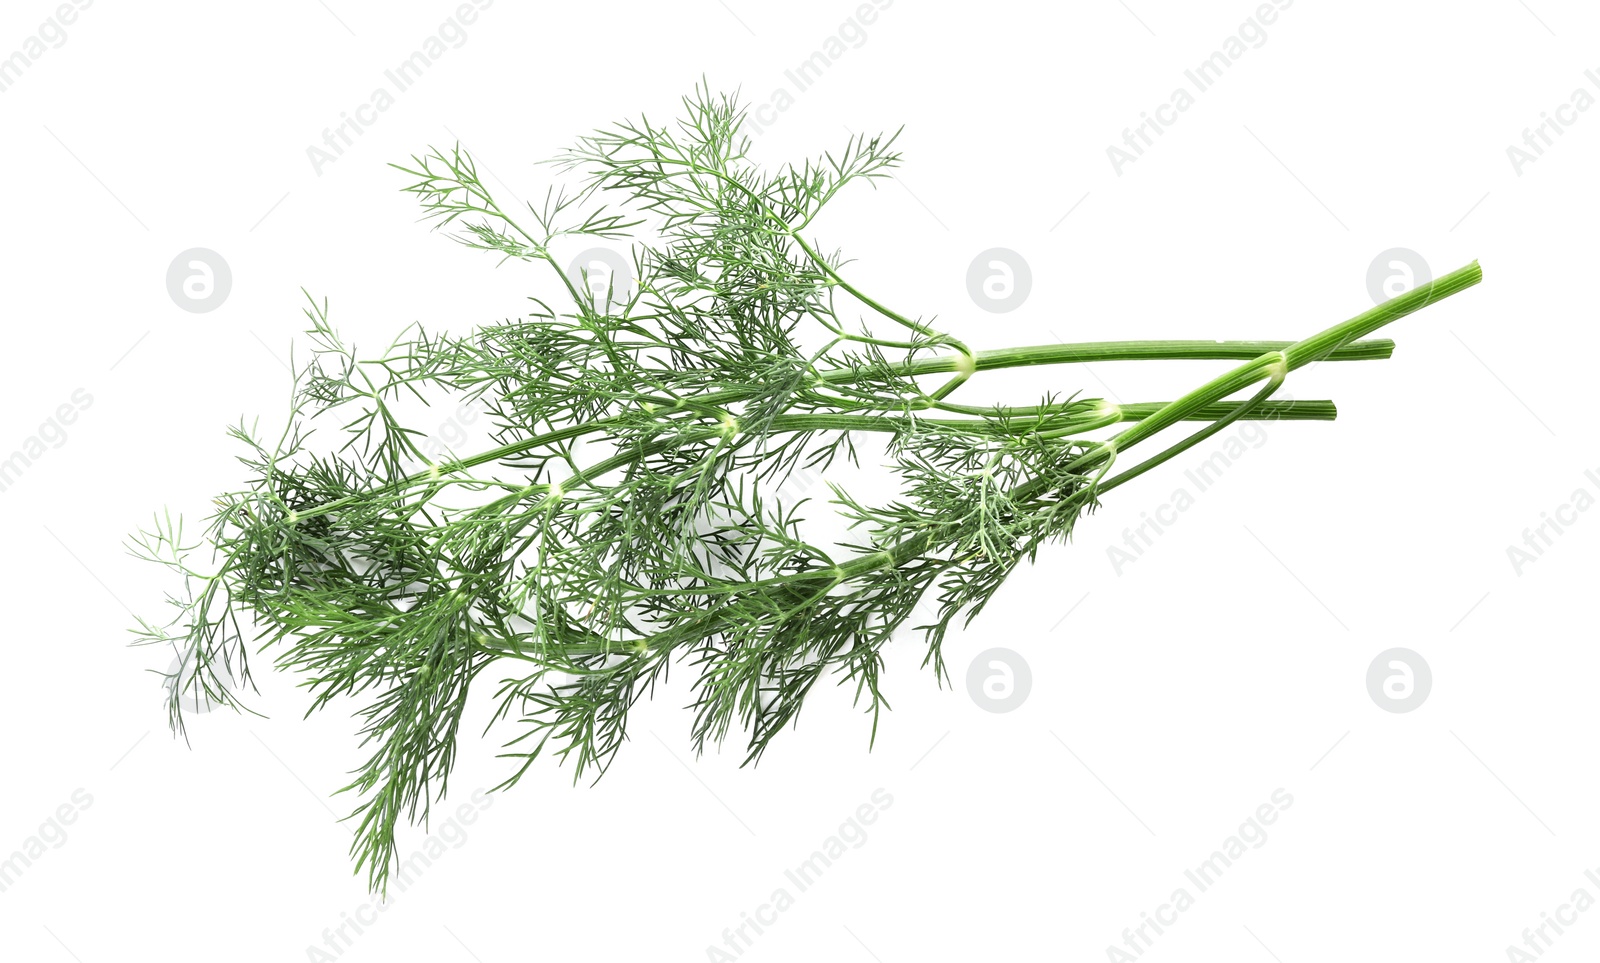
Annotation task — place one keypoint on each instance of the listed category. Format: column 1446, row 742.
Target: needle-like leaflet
column 623, row 521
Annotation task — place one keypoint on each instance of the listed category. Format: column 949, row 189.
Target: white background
column 1227, row 662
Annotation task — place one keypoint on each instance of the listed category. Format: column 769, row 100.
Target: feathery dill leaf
column 627, row 519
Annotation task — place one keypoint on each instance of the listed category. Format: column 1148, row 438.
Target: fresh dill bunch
column 625, row 520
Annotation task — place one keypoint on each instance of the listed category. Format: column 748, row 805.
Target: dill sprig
column 628, row 517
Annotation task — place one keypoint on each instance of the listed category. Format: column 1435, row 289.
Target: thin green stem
column 1273, row 366
column 984, row 361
